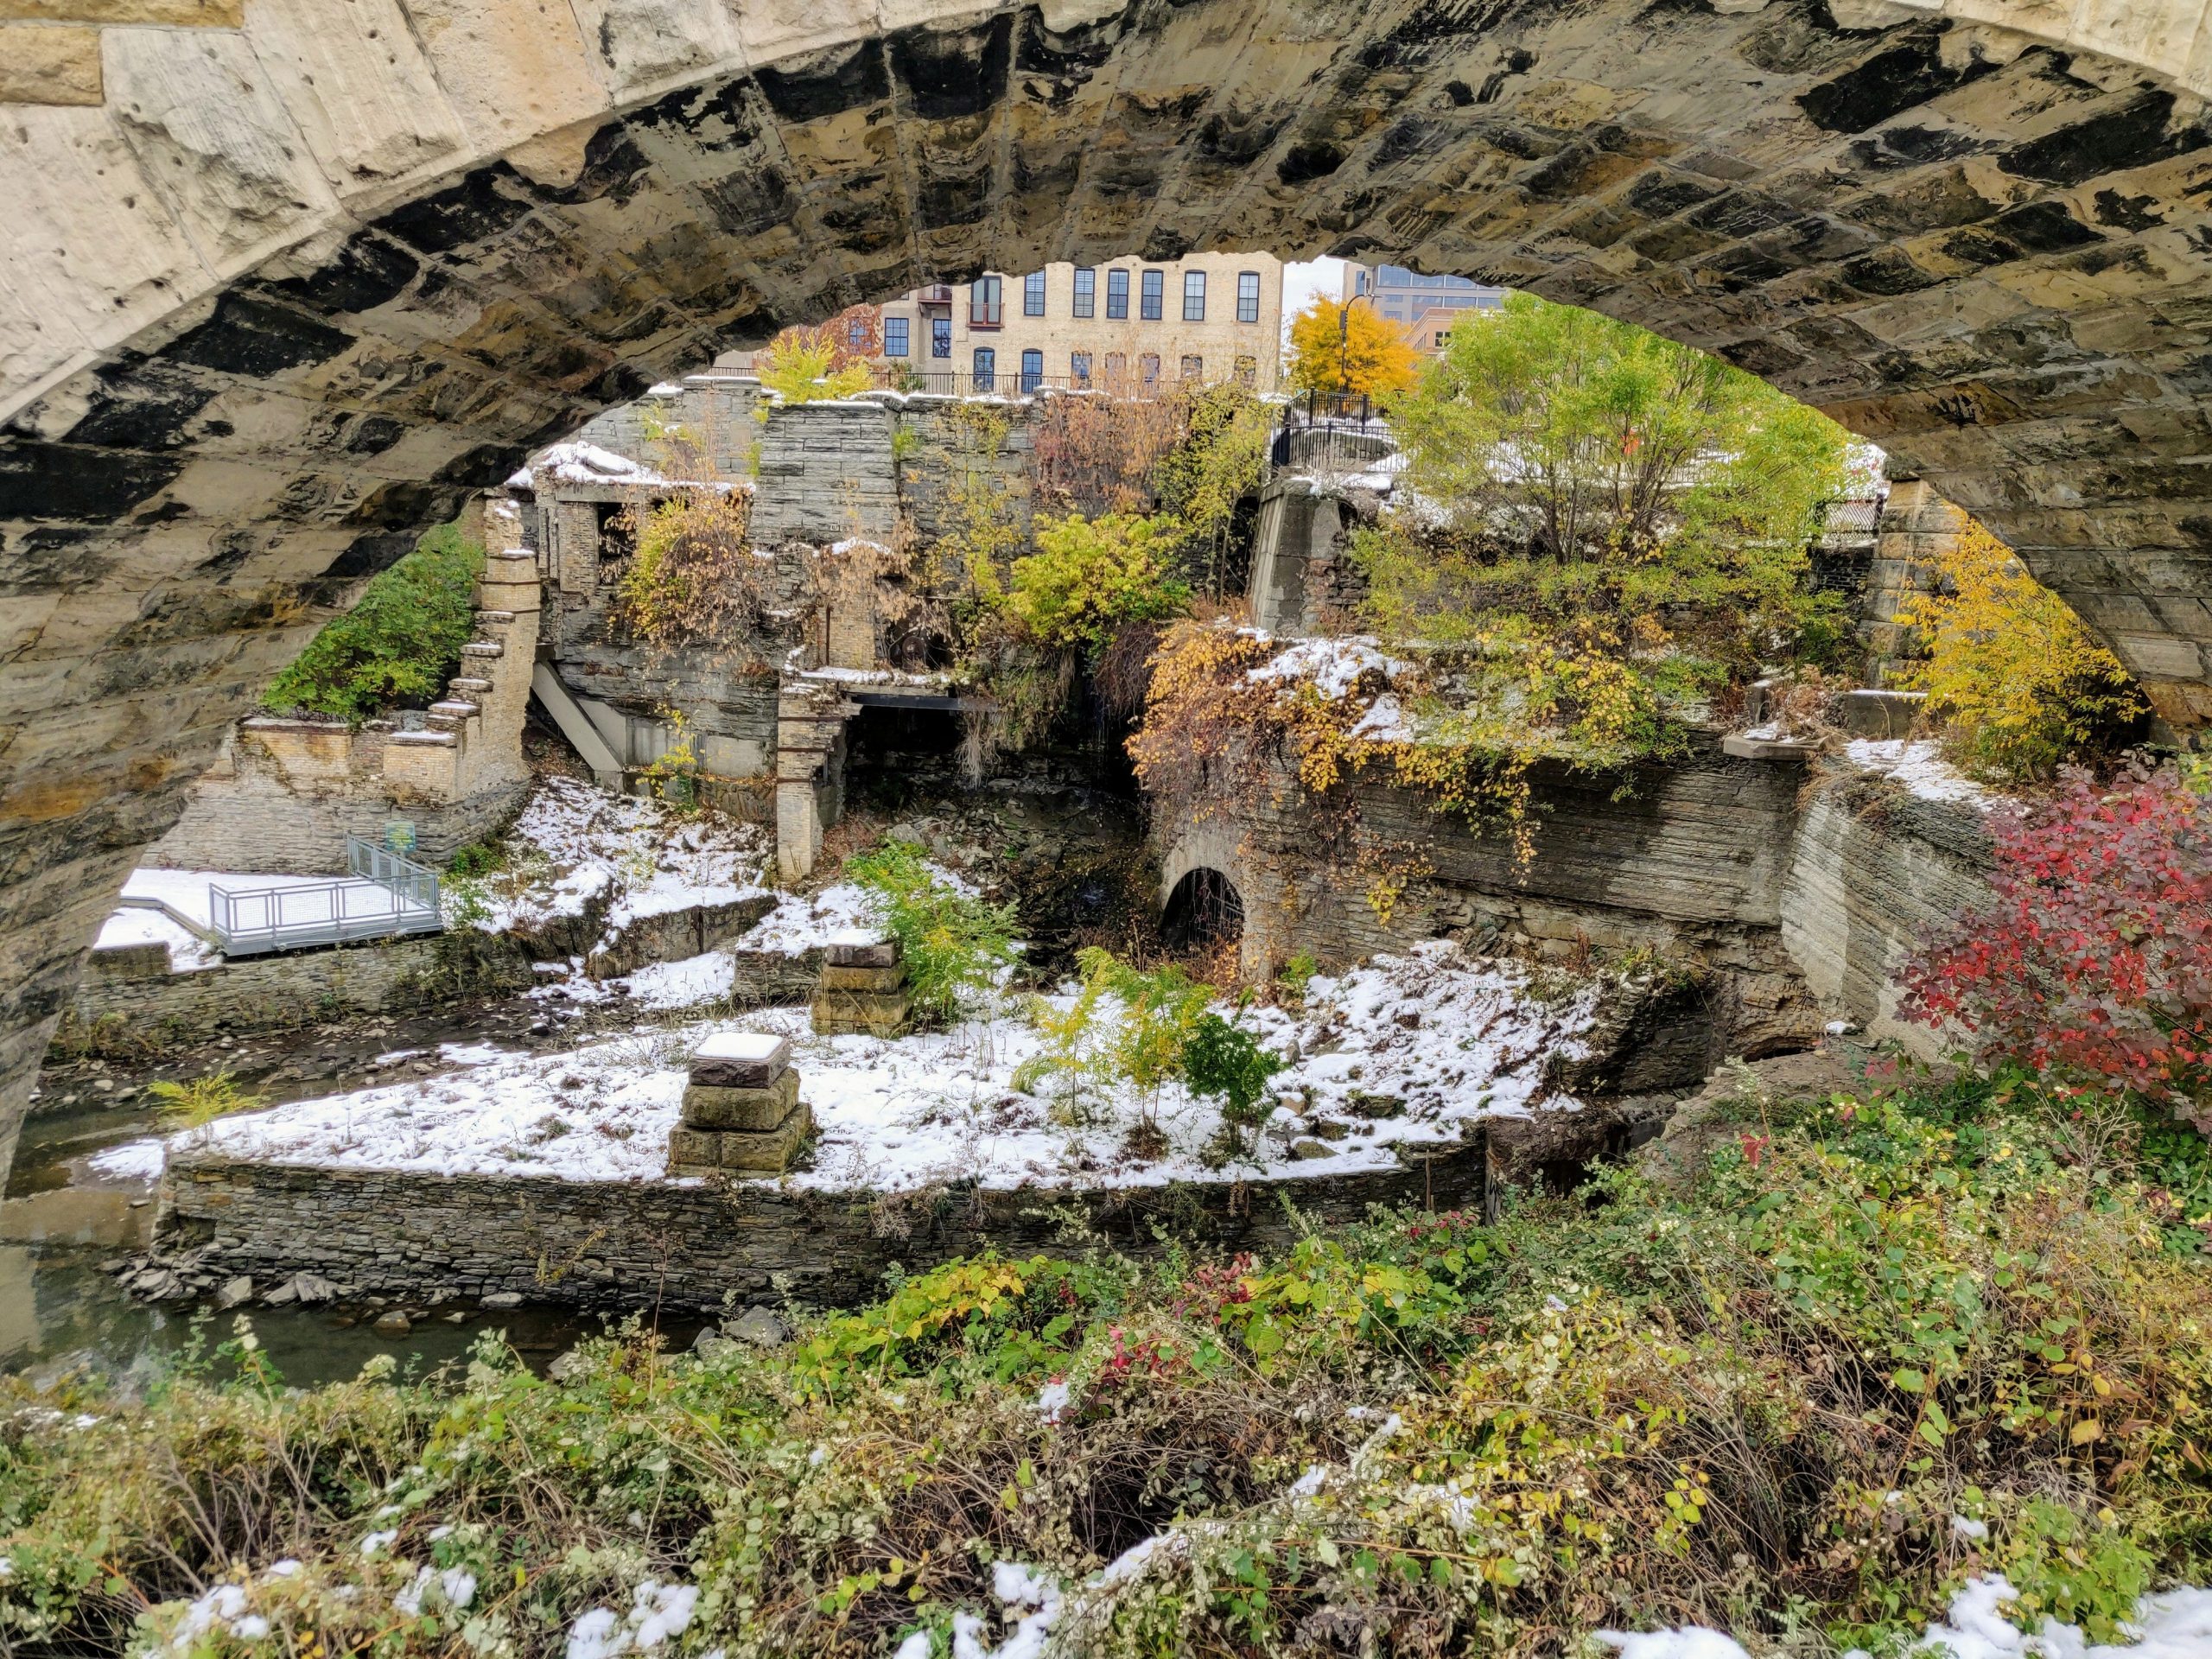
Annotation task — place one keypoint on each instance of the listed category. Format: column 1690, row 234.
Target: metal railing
column 1329, row 434
column 384, row 895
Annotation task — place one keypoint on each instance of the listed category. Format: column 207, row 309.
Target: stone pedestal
column 741, row 1109
column 862, row 990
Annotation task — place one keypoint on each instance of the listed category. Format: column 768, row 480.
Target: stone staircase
column 473, row 735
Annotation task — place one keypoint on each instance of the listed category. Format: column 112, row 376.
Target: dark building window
column 856, row 334
column 1032, row 295
column 987, row 368
column 984, row 304
column 1247, row 296
column 1194, row 296
column 1194, row 368
column 1247, row 370
column 1117, row 365
column 1155, row 291
column 894, row 336
column 940, row 336
column 1033, row 370
column 1117, row 293
column 1079, row 367
column 1148, row 366
column 1086, row 291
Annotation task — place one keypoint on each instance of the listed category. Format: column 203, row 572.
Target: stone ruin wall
column 1797, row 896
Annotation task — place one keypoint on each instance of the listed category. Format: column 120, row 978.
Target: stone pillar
column 1919, row 527
column 810, row 739
column 741, row 1109
column 862, row 990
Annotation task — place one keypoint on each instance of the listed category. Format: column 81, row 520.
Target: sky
column 1302, row 280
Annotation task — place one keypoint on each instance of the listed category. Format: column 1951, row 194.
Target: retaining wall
column 688, row 1247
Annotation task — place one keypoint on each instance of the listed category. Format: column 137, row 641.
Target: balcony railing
column 383, row 895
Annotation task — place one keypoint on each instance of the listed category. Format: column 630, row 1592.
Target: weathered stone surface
column 854, row 950
column 762, row 1151
column 753, row 1109
column 741, row 1059
column 187, row 13
column 883, row 980
column 399, row 1233
column 1992, row 266
column 867, row 1013
column 50, row 66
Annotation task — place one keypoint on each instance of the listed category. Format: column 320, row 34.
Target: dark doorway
column 1204, row 909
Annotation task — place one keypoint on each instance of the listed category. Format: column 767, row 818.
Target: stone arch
column 284, row 287
column 1208, row 846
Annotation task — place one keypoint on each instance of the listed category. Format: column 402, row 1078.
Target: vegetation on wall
column 955, row 946
column 1866, row 1349
column 693, row 579
column 1352, row 350
column 2017, row 682
column 400, row 643
column 1090, row 578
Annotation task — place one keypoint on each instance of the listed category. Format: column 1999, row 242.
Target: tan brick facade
column 50, row 49
column 1237, row 334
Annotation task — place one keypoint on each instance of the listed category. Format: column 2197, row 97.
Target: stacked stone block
column 862, row 990
column 741, row 1109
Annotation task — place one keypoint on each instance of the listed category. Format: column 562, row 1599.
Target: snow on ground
column 1333, row 665
column 2171, row 1624
column 128, row 925
column 1406, row 1052
column 1919, row 764
column 572, row 841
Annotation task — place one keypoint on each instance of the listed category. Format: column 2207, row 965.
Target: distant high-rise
column 1424, row 307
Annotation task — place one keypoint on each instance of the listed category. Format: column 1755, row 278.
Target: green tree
column 1222, row 460
column 400, row 643
column 1092, row 577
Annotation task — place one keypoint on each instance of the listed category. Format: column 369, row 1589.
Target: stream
column 62, row 1311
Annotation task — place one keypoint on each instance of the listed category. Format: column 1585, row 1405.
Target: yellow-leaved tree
column 1346, row 348
column 2016, row 679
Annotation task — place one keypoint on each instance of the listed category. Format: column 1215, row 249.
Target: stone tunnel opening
column 1204, row 910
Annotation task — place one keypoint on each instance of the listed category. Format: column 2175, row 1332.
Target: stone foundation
column 683, row 1246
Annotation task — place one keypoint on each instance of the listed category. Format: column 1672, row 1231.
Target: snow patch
column 1918, row 765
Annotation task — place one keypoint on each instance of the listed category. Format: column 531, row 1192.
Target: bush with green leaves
column 400, row 643
column 1223, row 1061
column 955, row 947
column 1091, row 577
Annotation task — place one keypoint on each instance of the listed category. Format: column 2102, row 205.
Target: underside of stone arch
column 278, row 294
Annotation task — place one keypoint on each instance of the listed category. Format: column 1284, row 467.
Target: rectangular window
column 1156, row 293
column 1194, row 296
column 1247, row 370
column 1117, row 367
column 941, row 337
column 1086, row 291
column 1079, row 367
column 1148, row 366
column 1032, row 295
column 984, row 304
column 1033, row 370
column 1194, row 368
column 1117, row 293
column 1247, row 296
column 987, row 368
column 894, row 336
column 856, row 334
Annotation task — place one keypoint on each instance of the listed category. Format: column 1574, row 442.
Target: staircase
column 473, row 735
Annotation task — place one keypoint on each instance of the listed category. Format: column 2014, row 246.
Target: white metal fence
column 382, row 896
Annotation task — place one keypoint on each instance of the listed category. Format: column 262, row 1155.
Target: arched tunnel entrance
column 1204, row 910
column 243, row 362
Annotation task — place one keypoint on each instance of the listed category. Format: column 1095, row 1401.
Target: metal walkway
column 383, row 896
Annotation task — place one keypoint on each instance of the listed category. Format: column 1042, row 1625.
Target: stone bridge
column 285, row 277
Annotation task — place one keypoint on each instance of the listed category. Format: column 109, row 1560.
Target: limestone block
column 741, row 1059
column 753, row 1110
column 49, row 65
column 883, row 980
column 515, row 70
column 217, row 139
column 187, row 13
column 857, row 948
column 771, row 1153
column 645, row 42
column 692, row 1152
column 872, row 1013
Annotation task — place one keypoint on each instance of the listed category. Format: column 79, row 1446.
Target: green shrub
column 400, row 643
column 1091, row 577
column 1224, row 1060
column 955, row 947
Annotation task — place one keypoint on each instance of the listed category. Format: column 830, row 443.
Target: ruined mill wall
column 1795, row 898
